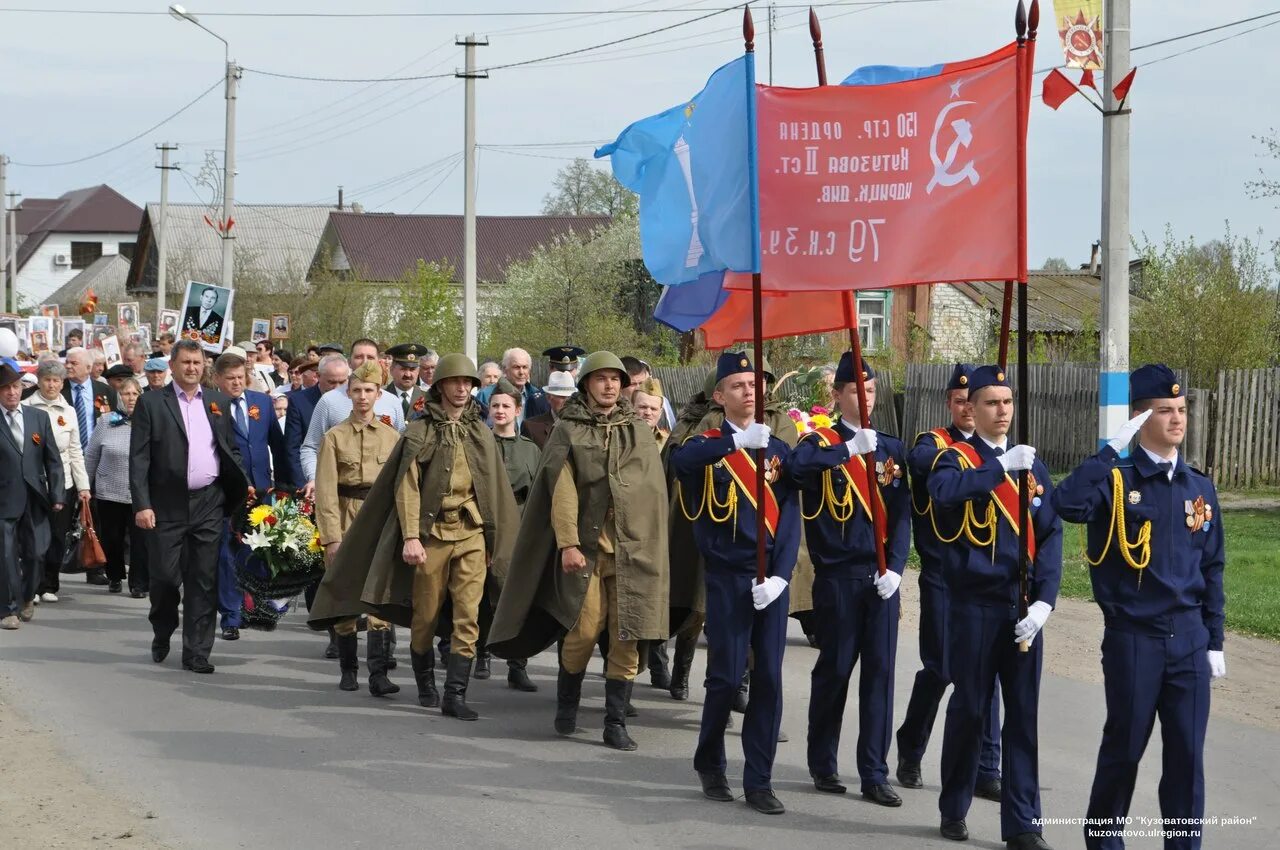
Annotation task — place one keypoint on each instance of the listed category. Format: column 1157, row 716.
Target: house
column 106, row 277
column 58, row 238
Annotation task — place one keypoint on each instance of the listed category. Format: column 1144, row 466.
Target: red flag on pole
column 1121, row 91
column 1086, row 79
column 1057, row 89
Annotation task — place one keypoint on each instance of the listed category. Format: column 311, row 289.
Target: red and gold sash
column 742, row 468
column 942, row 437
column 855, row 473
column 1005, row 495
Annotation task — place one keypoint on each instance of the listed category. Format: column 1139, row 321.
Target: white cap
column 561, row 384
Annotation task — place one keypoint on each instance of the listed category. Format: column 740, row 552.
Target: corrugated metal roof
column 1057, row 302
column 277, row 239
column 106, row 276
column 383, row 246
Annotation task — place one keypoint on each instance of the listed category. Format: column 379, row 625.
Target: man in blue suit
column 260, row 446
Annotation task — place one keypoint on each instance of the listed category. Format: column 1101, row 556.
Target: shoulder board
column 711, row 433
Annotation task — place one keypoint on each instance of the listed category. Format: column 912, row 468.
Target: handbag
column 91, row 554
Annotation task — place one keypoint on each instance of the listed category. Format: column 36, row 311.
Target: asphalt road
column 268, row 752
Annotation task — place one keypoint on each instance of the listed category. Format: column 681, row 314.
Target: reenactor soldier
column 350, row 458
column 1156, row 552
column 717, row 474
column 932, row 680
column 974, row 487
column 406, row 363
column 856, row 611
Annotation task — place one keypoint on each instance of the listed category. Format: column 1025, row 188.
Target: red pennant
column 1121, row 91
column 1057, row 89
column 1086, row 79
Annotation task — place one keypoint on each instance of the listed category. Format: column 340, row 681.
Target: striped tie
column 82, row 416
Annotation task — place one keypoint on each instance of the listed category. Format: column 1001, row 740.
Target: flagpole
column 757, row 317
column 855, row 341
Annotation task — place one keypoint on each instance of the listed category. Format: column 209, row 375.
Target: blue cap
column 960, row 377
column 986, row 376
column 732, row 363
column 156, row 364
column 1154, row 381
column 844, row 370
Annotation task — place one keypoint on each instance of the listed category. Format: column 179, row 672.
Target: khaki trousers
column 456, row 567
column 600, row 611
column 348, row 627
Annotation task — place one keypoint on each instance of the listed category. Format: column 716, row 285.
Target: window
column 126, row 250
column 84, row 254
column 871, row 321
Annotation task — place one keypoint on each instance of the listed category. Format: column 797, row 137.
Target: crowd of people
column 494, row 518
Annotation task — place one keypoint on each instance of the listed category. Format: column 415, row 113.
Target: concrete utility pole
column 12, row 292
column 229, row 177
column 4, row 233
column 470, row 75
column 1113, row 377
column 161, row 242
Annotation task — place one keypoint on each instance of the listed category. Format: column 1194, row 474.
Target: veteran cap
column 562, row 358
column 1155, row 380
column 408, row 353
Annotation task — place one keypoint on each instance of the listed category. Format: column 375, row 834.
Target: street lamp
column 229, row 151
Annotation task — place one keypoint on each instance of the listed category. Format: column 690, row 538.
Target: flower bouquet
column 276, row 558
column 817, row 417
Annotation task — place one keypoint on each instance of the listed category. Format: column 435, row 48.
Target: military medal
column 1198, row 513
column 888, row 472
column 772, row 469
column 1134, row 497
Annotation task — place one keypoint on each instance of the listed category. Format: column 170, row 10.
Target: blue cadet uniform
column 1156, row 549
column 852, row 622
column 935, row 675
column 717, row 492
column 971, row 496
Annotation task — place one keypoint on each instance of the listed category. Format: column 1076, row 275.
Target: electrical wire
column 524, row 13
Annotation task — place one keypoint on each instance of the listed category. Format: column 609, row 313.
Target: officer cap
column 562, row 358
column 598, row 360
column 986, row 376
column 456, row 366
column 408, row 353
column 1155, row 380
column 845, row 373
column 961, row 375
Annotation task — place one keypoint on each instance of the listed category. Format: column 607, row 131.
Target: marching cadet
column 975, row 494
column 591, row 554
column 932, row 680
column 1156, row 548
column 856, row 611
column 717, row 473
column 350, row 458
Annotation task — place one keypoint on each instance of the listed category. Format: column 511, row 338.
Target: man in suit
column 185, row 477
column 31, row 480
column 332, row 372
column 203, row 319
column 89, row 398
column 252, row 414
column 557, row 391
column 407, row 361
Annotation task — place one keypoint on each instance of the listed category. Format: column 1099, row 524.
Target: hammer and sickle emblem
column 943, row 175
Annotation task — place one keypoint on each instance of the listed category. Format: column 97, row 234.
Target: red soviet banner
column 867, row 187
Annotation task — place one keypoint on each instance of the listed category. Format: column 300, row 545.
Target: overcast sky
column 73, row 85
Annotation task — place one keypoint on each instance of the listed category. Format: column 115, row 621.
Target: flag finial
column 748, row 29
column 1033, row 20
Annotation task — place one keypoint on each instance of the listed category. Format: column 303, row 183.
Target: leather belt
column 354, row 491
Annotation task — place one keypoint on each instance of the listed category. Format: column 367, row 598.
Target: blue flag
column 693, row 167
column 687, row 307
column 876, row 75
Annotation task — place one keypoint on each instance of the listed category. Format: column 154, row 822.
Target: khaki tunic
column 350, row 458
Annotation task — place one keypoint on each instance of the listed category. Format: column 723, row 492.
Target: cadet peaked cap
column 845, row 373
column 408, row 353
column 1155, row 380
column 987, row 376
column 961, row 377
column 732, row 363
column 562, row 358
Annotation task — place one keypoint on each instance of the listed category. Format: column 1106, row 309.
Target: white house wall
column 958, row 328
column 40, row 278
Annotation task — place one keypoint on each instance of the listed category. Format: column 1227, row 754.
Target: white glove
column 1029, row 626
column 1128, row 431
column 764, row 594
column 756, row 436
column 887, row 584
column 1217, row 664
column 863, row 442
column 1017, row 458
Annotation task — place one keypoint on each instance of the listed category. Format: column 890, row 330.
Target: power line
column 523, row 13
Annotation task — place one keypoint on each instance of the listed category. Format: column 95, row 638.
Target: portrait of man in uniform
column 205, row 317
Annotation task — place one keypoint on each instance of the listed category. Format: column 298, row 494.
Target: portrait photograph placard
column 279, row 325
column 259, row 329
column 206, row 308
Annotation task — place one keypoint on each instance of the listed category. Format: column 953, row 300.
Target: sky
column 73, row 85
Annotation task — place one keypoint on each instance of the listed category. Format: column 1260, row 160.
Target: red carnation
column 270, row 520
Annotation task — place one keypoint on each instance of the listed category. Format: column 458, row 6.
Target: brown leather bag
column 91, row 554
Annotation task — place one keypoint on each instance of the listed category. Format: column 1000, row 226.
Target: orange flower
column 254, row 412
column 35, row 438
column 62, row 423
column 214, row 409
column 385, row 420
column 100, row 405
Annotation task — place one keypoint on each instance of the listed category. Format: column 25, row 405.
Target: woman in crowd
column 280, row 359
column 107, row 462
column 50, row 376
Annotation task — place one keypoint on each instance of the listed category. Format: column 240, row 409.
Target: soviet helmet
column 598, row 360
column 456, row 366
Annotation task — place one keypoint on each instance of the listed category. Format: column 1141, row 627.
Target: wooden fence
column 1246, row 426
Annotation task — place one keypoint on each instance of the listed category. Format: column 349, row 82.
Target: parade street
column 268, row 752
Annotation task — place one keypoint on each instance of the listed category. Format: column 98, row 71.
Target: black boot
column 331, row 651
column 482, row 664
column 455, row 689
column 568, row 694
column 391, row 648
column 680, row 667
column 443, row 645
column 376, row 656
column 518, row 675
column 740, row 698
column 658, row 675
column 617, row 696
column 348, row 661
column 424, row 672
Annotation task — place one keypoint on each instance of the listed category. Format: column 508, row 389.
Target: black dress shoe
column 135, row 593
column 715, row 787
column 97, row 577
column 829, row 784
column 159, row 649
column 882, row 795
column 198, row 665
column 231, row 633
column 764, row 802
column 115, row 587
column 987, row 789
column 909, row 774
column 1027, row 841
column 955, row 830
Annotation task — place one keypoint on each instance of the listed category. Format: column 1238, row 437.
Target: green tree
column 1056, row 264
column 423, row 307
column 1266, row 186
column 581, row 188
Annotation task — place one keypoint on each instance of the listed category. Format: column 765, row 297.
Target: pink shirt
column 202, row 454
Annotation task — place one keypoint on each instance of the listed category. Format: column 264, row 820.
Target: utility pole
column 1113, row 376
column 161, row 242
column 229, row 176
column 4, row 233
column 470, row 75
column 773, row 22
column 12, row 291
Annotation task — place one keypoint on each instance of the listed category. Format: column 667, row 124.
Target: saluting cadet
column 717, row 475
column 855, row 610
column 1156, row 548
column 975, row 493
column 932, row 680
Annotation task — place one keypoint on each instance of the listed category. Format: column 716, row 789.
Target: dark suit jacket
column 211, row 330
column 538, row 428
column 302, row 403
column 102, row 395
column 416, row 393
column 158, row 455
column 27, row 481
column 264, row 435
